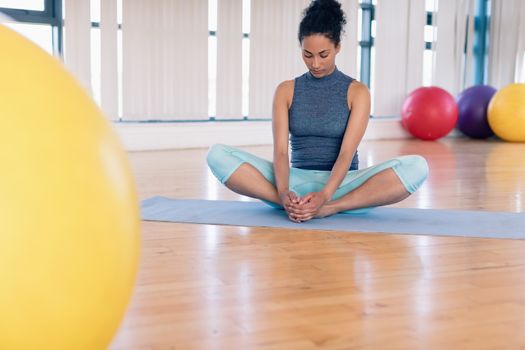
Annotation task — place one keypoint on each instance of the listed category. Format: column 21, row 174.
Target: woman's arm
column 359, row 103
column 281, row 103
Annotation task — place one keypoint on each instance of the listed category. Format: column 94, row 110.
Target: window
column 38, row 20
column 212, row 58
column 246, row 7
column 366, row 32
column 40, row 34
column 95, row 50
column 430, row 36
column 34, row 5
column 481, row 41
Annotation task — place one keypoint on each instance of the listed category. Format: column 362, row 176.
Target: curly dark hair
column 323, row 17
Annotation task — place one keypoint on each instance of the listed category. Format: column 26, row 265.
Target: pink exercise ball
column 429, row 113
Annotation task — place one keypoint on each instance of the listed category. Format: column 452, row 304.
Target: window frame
column 51, row 15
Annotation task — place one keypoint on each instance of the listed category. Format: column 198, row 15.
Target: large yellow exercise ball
column 69, row 225
column 506, row 113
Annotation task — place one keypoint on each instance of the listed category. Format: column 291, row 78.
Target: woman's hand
column 289, row 200
column 307, row 207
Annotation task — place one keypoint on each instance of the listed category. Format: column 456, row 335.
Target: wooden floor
column 218, row 287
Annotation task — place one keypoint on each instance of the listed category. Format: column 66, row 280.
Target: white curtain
column 450, row 66
column 468, row 64
column 399, row 46
column 77, row 30
column 507, row 42
column 520, row 62
column 229, row 59
column 109, row 73
column 347, row 58
column 165, row 59
column 274, row 50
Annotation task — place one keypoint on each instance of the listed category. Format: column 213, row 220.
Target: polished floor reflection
column 221, row 287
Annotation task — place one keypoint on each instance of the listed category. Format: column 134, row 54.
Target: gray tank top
column 317, row 120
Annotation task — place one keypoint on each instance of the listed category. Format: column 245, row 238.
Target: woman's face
column 319, row 54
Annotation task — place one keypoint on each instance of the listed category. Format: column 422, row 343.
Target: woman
column 323, row 114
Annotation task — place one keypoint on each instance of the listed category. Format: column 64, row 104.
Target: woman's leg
column 385, row 183
column 243, row 173
column 382, row 184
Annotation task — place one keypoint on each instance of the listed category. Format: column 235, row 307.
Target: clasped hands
column 303, row 208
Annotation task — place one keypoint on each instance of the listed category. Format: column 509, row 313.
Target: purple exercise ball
column 472, row 105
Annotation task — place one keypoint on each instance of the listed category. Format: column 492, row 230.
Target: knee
column 222, row 162
column 216, row 153
column 417, row 165
column 413, row 171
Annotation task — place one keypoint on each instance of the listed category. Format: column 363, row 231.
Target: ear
column 338, row 48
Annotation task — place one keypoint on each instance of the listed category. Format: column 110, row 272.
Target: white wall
column 159, row 136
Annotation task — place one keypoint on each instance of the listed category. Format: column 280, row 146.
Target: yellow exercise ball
column 506, row 113
column 69, row 221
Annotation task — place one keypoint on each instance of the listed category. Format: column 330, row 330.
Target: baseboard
column 163, row 136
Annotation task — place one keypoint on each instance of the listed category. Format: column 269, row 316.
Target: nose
column 315, row 62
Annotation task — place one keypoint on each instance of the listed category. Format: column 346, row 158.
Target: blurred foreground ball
column 69, row 224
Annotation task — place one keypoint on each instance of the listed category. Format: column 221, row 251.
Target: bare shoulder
column 358, row 90
column 358, row 94
column 286, row 85
column 284, row 91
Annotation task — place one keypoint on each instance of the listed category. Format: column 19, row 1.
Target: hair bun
column 323, row 17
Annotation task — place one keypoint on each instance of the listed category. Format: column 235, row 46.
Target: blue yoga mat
column 379, row 220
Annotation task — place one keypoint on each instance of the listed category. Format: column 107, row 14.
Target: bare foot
column 326, row 210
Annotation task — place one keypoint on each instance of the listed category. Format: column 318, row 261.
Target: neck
column 328, row 76
column 331, row 70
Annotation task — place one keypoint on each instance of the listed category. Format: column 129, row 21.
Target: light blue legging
column 224, row 160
